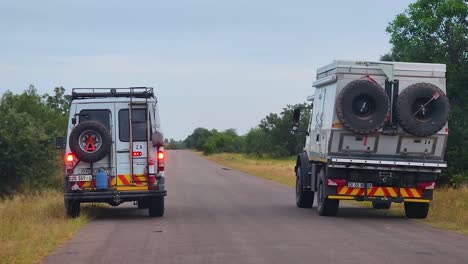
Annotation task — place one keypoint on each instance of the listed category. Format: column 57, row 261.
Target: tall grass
column 278, row 170
column 32, row 225
column 449, row 209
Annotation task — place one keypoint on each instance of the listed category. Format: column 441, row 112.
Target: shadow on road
column 126, row 211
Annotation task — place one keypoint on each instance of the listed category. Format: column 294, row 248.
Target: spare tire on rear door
column 422, row 109
column 90, row 141
column 362, row 106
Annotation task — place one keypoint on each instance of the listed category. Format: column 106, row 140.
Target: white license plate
column 75, row 178
column 358, row 185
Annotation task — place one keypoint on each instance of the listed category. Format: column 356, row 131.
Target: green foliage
column 198, row 138
column 272, row 137
column 227, row 141
column 436, row 31
column 28, row 127
column 174, row 144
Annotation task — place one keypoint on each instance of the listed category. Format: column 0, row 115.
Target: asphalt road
column 216, row 215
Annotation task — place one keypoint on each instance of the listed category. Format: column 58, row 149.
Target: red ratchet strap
column 368, row 77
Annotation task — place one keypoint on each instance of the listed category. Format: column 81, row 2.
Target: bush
column 28, row 127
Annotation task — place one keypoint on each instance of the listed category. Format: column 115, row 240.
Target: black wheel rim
column 363, row 106
column 422, row 109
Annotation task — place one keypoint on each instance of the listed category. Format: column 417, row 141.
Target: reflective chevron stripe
column 380, row 192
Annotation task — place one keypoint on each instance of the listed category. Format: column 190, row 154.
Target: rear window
column 138, row 125
column 102, row 116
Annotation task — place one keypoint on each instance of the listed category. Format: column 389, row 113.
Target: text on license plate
column 358, row 185
column 75, row 178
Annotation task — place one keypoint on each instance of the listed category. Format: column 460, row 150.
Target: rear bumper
column 386, row 199
column 116, row 197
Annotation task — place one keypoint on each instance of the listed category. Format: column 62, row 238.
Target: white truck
column 377, row 132
column 114, row 149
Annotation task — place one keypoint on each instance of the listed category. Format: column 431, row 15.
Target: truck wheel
column 422, row 109
column 381, row 205
column 325, row 206
column 156, row 206
column 362, row 106
column 304, row 198
column 416, row 210
column 90, row 141
column 72, row 208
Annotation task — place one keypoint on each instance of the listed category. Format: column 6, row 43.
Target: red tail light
column 426, row 185
column 336, row 182
column 137, row 153
column 70, row 158
column 161, row 157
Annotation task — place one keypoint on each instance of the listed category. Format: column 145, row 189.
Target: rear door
column 102, row 114
column 131, row 147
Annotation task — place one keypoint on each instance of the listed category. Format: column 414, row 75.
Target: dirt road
column 216, row 215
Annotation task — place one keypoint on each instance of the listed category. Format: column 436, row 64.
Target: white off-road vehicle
column 114, row 149
column 377, row 132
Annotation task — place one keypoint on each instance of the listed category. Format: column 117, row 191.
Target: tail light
column 70, row 158
column 336, row 182
column 160, row 157
column 426, row 185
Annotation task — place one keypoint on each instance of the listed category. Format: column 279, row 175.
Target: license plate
column 75, row 178
column 358, row 185
column 95, row 171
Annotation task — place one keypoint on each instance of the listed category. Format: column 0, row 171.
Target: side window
column 138, row 125
column 102, row 116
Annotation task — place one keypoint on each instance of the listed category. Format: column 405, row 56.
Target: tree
column 277, row 129
column 436, row 31
column 28, row 126
column 198, row 138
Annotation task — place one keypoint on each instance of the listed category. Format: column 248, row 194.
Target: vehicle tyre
column 157, row 139
column 72, row 208
column 362, row 106
column 325, row 206
column 416, row 210
column 422, row 109
column 304, row 198
column 90, row 141
column 156, row 206
column 381, row 205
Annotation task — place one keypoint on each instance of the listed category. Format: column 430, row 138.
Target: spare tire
column 362, row 106
column 90, row 141
column 158, row 139
column 422, row 109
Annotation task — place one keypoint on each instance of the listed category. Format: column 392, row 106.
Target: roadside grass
column 449, row 209
column 32, row 225
column 278, row 170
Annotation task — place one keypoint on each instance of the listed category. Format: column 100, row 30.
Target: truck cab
column 377, row 132
column 114, row 149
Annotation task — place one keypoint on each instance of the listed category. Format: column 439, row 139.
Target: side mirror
column 295, row 121
column 74, row 121
column 59, row 142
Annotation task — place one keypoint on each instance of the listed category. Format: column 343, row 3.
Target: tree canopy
column 436, row 31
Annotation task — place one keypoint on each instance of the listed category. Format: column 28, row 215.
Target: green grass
column 278, row 170
column 449, row 209
column 32, row 225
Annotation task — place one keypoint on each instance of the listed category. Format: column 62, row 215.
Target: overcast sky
column 215, row 64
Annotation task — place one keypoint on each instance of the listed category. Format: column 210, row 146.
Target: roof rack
column 134, row 92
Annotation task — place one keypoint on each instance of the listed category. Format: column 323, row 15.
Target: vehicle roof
column 400, row 66
column 111, row 100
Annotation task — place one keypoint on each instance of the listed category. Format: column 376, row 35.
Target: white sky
column 215, row 64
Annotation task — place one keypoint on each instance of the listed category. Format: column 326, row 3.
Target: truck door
column 131, row 146
column 84, row 170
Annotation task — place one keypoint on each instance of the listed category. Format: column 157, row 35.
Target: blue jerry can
column 101, row 180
